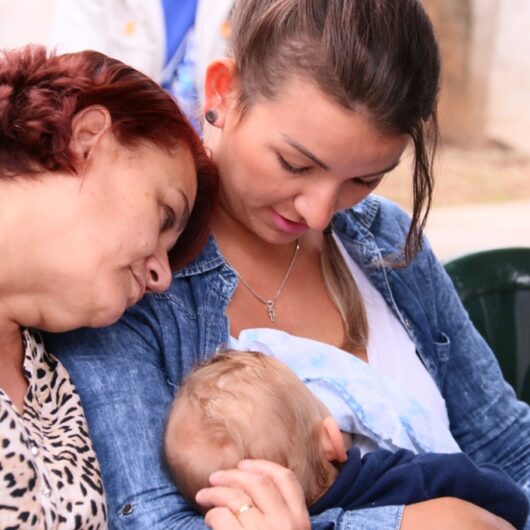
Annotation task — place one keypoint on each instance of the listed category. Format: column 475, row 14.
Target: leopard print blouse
column 49, row 475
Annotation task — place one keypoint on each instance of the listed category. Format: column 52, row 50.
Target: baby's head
column 244, row 405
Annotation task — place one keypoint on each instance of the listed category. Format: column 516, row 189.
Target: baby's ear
column 331, row 441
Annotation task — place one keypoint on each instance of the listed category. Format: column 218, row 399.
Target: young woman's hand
column 447, row 512
column 258, row 494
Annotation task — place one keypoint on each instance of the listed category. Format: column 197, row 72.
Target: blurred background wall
column 485, row 46
column 24, row 21
column 486, row 84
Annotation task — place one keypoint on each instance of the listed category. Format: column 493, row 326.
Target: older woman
column 317, row 102
column 99, row 173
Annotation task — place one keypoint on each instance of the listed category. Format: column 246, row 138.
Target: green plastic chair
column 494, row 286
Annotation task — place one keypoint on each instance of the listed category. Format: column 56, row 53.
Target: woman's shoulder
column 374, row 232
column 375, row 218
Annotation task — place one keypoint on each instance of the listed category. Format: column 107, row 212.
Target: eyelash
column 169, row 218
column 367, row 184
column 302, row 170
column 291, row 169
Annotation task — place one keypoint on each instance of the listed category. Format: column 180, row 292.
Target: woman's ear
column 220, row 89
column 331, row 441
column 88, row 126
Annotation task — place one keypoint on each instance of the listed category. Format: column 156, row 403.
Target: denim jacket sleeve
column 486, row 419
column 125, row 391
column 126, row 375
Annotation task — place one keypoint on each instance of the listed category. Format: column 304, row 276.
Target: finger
column 246, row 515
column 249, row 516
column 284, row 479
column 221, row 496
column 271, row 510
column 222, row 518
column 264, row 494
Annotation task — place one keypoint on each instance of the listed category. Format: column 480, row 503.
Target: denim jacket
column 127, row 374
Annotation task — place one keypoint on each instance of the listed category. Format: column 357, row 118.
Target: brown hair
column 377, row 57
column 245, row 405
column 40, row 93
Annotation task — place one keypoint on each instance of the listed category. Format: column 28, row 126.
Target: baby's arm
column 383, row 478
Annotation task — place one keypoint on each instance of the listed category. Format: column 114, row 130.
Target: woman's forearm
column 446, row 512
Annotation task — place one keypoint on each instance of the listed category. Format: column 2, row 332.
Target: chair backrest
column 494, row 286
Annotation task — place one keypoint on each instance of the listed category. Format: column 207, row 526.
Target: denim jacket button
column 127, row 509
column 408, row 323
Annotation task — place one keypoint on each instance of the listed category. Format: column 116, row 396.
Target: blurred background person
column 172, row 41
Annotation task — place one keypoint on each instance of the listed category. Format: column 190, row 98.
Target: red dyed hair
column 41, row 92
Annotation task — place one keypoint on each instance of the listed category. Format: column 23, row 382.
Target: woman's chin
column 107, row 317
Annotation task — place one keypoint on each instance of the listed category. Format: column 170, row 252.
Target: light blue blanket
column 360, row 398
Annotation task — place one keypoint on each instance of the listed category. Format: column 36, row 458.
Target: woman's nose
column 158, row 271
column 317, row 206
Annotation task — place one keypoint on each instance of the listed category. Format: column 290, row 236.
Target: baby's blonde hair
column 245, row 405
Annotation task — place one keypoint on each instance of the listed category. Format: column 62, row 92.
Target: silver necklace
column 271, row 310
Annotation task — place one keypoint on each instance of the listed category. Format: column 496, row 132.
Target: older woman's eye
column 169, row 219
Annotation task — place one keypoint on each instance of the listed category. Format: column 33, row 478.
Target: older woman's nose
column 158, row 271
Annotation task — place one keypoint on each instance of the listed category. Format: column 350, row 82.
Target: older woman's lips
column 287, row 226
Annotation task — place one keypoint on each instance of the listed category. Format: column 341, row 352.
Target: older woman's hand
column 439, row 514
column 258, row 494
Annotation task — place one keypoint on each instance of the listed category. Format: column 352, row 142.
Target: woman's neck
column 15, row 218
column 238, row 244
column 231, row 235
column 22, row 246
column 12, row 379
column 15, row 248
column 10, row 341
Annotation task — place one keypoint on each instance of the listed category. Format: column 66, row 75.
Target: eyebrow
column 299, row 147
column 377, row 173
column 306, row 152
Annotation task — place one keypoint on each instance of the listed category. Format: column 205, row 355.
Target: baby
column 244, row 405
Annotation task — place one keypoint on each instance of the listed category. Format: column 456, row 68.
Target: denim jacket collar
column 209, row 260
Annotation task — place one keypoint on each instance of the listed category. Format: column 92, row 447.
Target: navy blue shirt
column 383, row 478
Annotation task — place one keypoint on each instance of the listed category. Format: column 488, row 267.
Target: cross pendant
column 271, row 311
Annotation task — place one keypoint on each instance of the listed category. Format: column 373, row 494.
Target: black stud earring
column 211, row 116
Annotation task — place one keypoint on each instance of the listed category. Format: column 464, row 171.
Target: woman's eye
column 367, row 183
column 168, row 220
column 290, row 168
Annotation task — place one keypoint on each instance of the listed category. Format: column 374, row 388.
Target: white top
column 390, row 349
column 363, row 401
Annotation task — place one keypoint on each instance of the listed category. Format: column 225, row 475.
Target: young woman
column 318, row 102
column 99, row 173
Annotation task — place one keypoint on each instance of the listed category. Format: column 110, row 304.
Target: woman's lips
column 287, row 226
